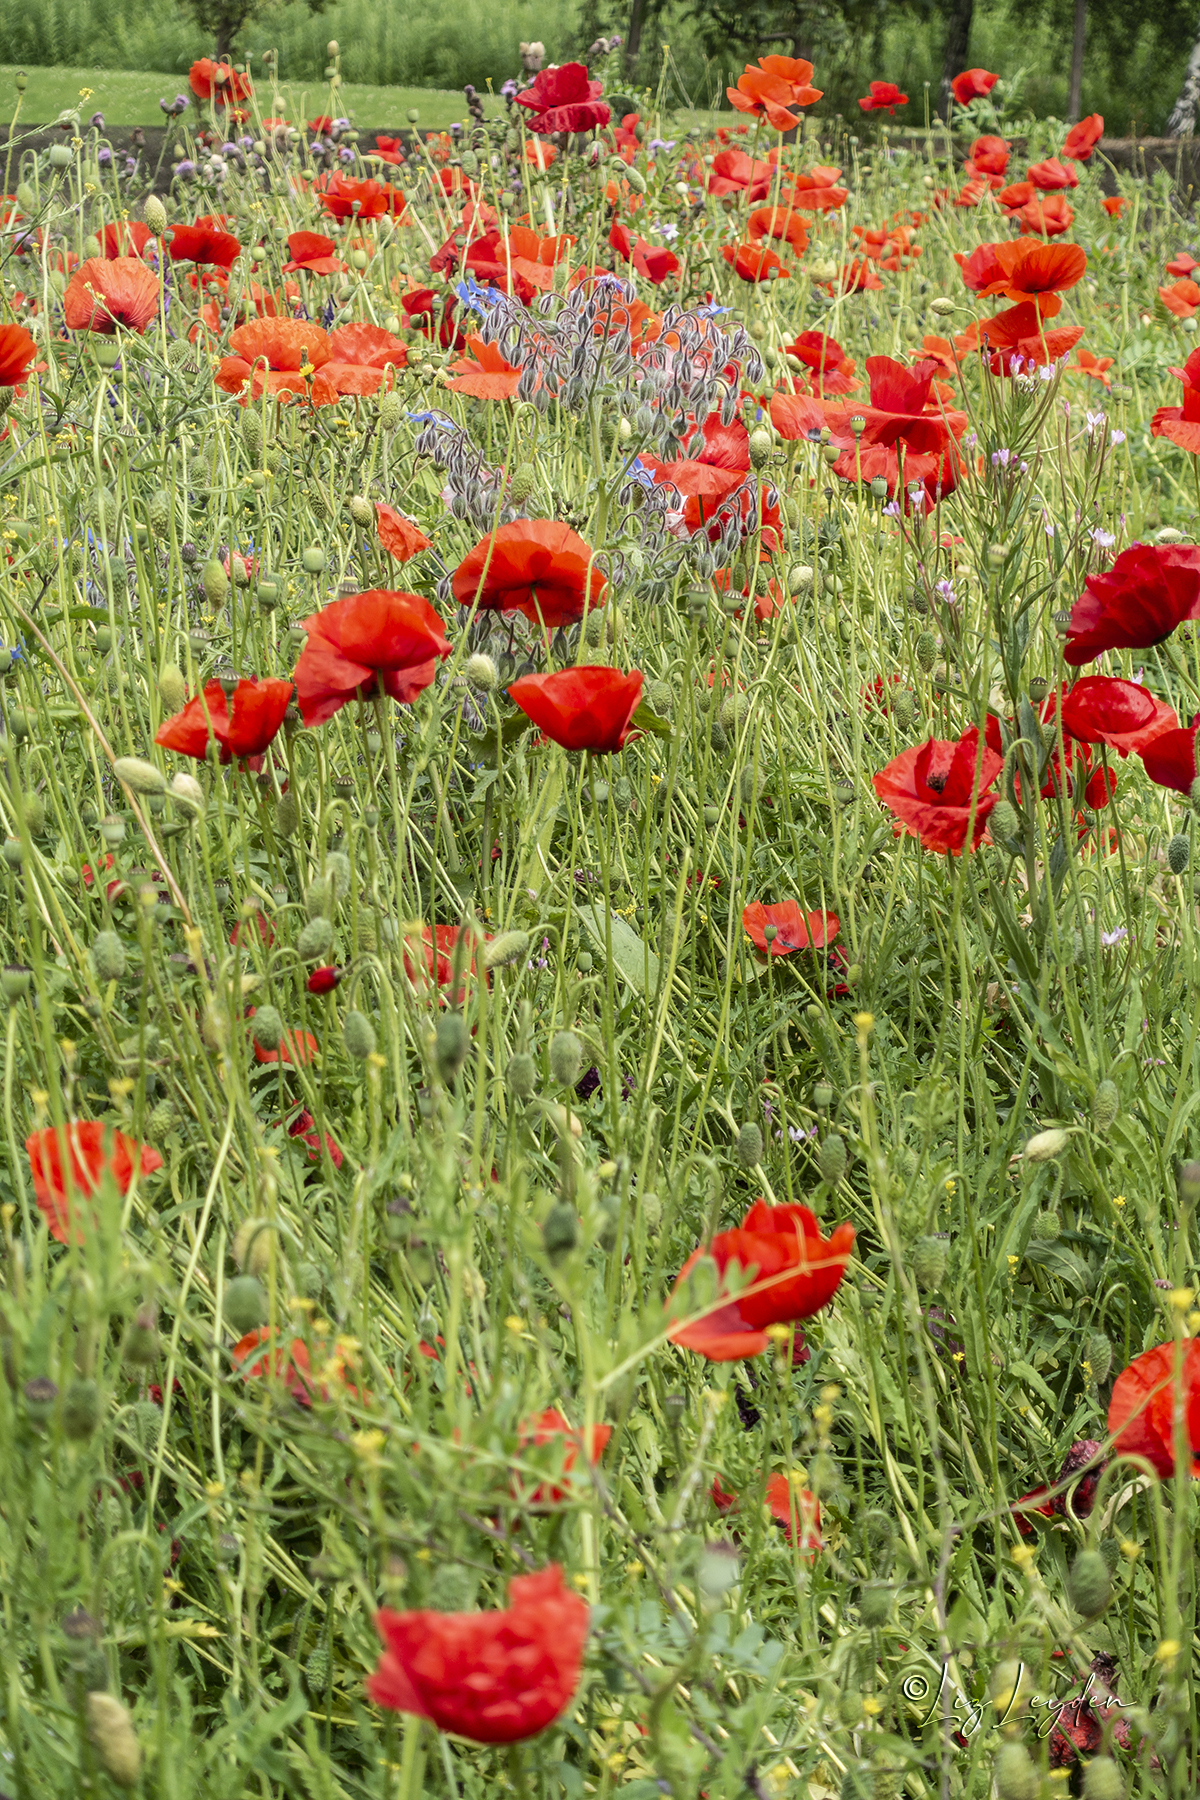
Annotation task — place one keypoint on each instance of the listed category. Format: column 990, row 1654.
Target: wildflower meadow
column 600, row 951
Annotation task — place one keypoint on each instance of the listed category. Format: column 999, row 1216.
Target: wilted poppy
column 972, row 84
column 1181, row 424
column 1150, row 589
column 401, row 537
column 564, row 99
column 203, row 242
column 902, row 417
column 792, row 928
column 495, row 1677
column 1141, row 1413
column 105, row 292
column 1101, row 709
column 483, row 373
column 294, row 353
column 587, row 707
column 771, row 90
column 1051, row 176
column 938, row 791
column 537, row 567
column 313, row 254
column 1082, row 139
column 218, row 81
column 17, row 351
column 377, row 642
column 243, row 723
column 884, row 96
column 787, row 1270
column 93, row 1150
column 551, row 1427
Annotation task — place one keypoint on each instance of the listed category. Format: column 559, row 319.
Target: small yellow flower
column 1013, row 1261
column 864, row 1024
column 871, row 1706
column 513, row 1323
column 580, row 1580
column 368, row 1444
column 1023, row 1555
column 778, row 1334
column 1119, row 1200
column 1181, row 1298
column 635, row 1568
column 1129, row 1550
column 85, row 93
column 214, row 1489
column 1168, row 1650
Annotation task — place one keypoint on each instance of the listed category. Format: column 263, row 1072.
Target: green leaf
column 645, row 720
column 632, row 957
column 511, row 729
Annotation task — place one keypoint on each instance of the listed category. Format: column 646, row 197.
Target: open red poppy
column 484, row 373
column 587, row 707
column 989, row 155
column 105, row 292
column 787, row 1271
column 903, row 418
column 127, row 237
column 203, row 243
column 816, row 190
column 754, row 262
column 243, row 723
column 1141, row 1413
column 211, row 80
column 312, row 253
column 564, row 99
column 796, row 1509
column 537, row 567
column 733, row 173
column 1018, row 339
column 773, row 89
column 1181, row 424
column 793, row 928
column 69, row 1164
column 972, row 84
column 17, row 350
column 832, row 370
column 1025, row 269
column 552, row 1427
column 1048, row 217
column 352, row 197
column 1170, row 758
column 938, row 791
column 285, row 347
column 377, row 642
column 1082, row 139
column 884, row 96
column 1051, row 176
column 1150, row 589
column 401, row 537
column 1101, row 709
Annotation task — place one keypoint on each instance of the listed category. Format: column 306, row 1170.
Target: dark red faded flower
column 1141, row 1413
column 903, row 416
column 312, row 253
column 563, row 99
column 551, row 1427
column 884, row 96
column 303, row 1127
column 1170, row 759
column 973, row 84
column 70, row 1162
column 1082, row 139
column 17, row 351
column 938, row 791
column 793, row 928
column 537, row 567
column 378, row 642
column 787, row 1271
column 1100, row 709
column 105, row 292
column 1150, row 589
column 400, row 536
column 204, row 242
column 243, row 723
column 1051, row 176
column 587, row 707
column 1181, row 424
column 495, row 1677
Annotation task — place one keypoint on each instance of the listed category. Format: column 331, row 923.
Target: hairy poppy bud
column 482, row 672
column 875, row 1604
column 800, row 578
column 108, row 956
column 858, row 1783
column 155, row 215
column 81, row 1409
column 761, row 445
column 904, row 709
column 560, row 1231
column 1044, row 1146
column 928, row 1262
column 358, row 1035
column 215, row 583
column 749, row 1149
column 268, row 1028
column 110, row 1729
column 14, row 981
column 451, row 1043
column 251, row 1247
column 717, row 1571
column 1103, row 1780
column 1098, row 1355
column 942, row 307
column 1015, row 1775
column 1106, row 1104
column 317, row 898
column 316, row 1670
column 660, row 697
column 361, row 510
column 187, row 790
column 1194, row 793
column 245, row 1304
column 141, row 1339
column 832, row 1158
column 141, row 776
column 566, row 1058
column 509, row 947
column 1179, row 853
column 337, row 874
column 1189, row 1183
column 1047, row 1226
column 926, row 651
column 314, row 941
column 522, row 484
column 1089, row 1584
column 287, row 814
column 521, row 1075
column 1004, row 822
column 850, row 1707
column 391, row 411
column 172, row 689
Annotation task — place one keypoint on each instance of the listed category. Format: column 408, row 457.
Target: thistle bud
column 1103, row 1780
column 1098, row 1355
column 172, row 689
column 155, row 215
column 1004, row 822
column 521, row 1075
column 361, row 510
column 268, row 1028
column 482, row 672
column 245, row 1304
column 358, row 1036
column 108, row 956
column 215, row 583
column 1179, row 853
column 1015, row 1775
column 1106, row 1104
column 110, row 1729
column 313, row 943
column 566, row 1058
column 749, row 1148
column 1089, row 1584
column 926, row 651
column 1044, row 1146
column 452, row 1041
column 928, row 1262
column 560, row 1231
column 509, row 947
column 141, row 776
column 832, row 1158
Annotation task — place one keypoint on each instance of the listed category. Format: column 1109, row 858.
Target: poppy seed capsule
column 314, row 941
column 926, row 651
column 1106, row 1104
column 450, row 1045
column 245, row 1304
column 1179, row 853
column 904, row 709
column 361, row 510
column 566, row 1058
column 108, row 956
column 879, row 487
column 521, row 1075
column 268, row 1028
column 1015, row 1775
column 1098, row 1355
column 358, row 1036
column 928, row 1262
column 560, row 1231
column 1089, row 1584
column 110, row 1729
column 749, row 1149
column 172, row 689
column 1102, row 1780
column 832, row 1158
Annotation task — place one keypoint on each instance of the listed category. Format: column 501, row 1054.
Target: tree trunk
column 959, row 14
column 633, row 33
column 1074, row 102
column 1183, row 119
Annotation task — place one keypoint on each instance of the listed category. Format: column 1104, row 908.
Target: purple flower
column 1109, row 938
column 1105, row 539
column 97, row 121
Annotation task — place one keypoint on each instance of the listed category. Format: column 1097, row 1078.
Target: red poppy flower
column 1101, row 709
column 484, row 373
column 563, row 99
column 586, row 707
column 128, row 237
column 1141, row 1413
column 243, row 723
column 1082, row 139
column 286, row 346
column 446, row 947
column 256, row 928
column 352, row 197
column 816, row 190
column 1100, row 788
column 1011, row 199
column 93, row 1150
column 653, row 261
column 312, row 253
column 292, row 1364
column 754, row 262
column 495, row 1677
column 17, row 351
column 1032, row 1502
column 797, row 1510
column 1095, row 367
column 401, row 537
column 734, row 173
column 1181, row 424
column 539, row 154
column 551, row 1427
column 901, row 416
column 303, row 1127
column 1170, row 758
column 217, row 80
column 856, row 277
column 989, row 155
column 321, row 126
column 1182, row 264
column 1051, row 176
column 360, row 356
column 788, row 1272
column 389, row 148
column 779, row 222
column 105, row 292
column 884, row 96
column 1181, row 298
column 538, row 567
column 832, row 370
column 972, row 84
column 1114, row 205
column 769, row 599
column 377, row 642
column 1150, row 589
column 296, row 1047
column 712, row 475
column 1048, row 218
column 1025, row 269
column 1018, row 337
column 770, row 91
column 794, row 929
column 938, row 791
column 203, row 243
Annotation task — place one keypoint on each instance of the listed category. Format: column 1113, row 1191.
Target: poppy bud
column 661, row 699
column 323, row 981
column 858, row 1783
column 928, row 1262
column 800, row 578
column 879, row 487
column 315, row 939
column 481, row 672
column 1047, row 1226
column 717, row 1571
column 926, row 651
column 245, row 1304
column 81, row 1410
column 361, row 510
column 1089, row 1584
column 187, row 790
column 155, row 215
column 1194, row 793
column 391, row 411
column 268, row 1028
column 1179, row 853
column 832, row 1158
column 14, row 980
column 566, row 1058
column 141, row 776
column 749, row 1146
column 316, row 1670
column 761, row 445
column 1189, row 1183
column 40, row 1395
column 522, row 484
column 733, row 711
column 1004, row 822
column 1106, row 1104
column 509, row 947
column 904, row 709
column 610, row 1223
column 1102, row 1780
column 1044, row 1146
column 108, row 956
column 451, row 1043
column 941, row 307
column 560, row 1231
column 1014, row 1773
column 141, row 1340
column 110, row 1729
column 251, row 1247
column 1098, row 1355
column 287, row 814
column 358, row 1035
column 874, row 1604
column 521, row 1075
column 172, row 689
column 850, row 1707
column 215, row 583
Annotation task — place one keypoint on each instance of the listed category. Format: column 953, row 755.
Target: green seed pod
column 452, row 1041
column 319, row 897
column 215, row 583
column 1047, row 1227
column 718, row 737
column 928, row 1262
column 14, row 852
column 14, row 981
column 1103, row 1780
column 109, row 1724
column 566, row 1058
column 312, row 560
column 521, row 1075
column 1179, row 853
column 661, row 699
column 361, row 510
column 358, row 1035
column 926, row 651
column 81, row 1409
column 1004, row 822
column 1194, row 792
column 143, row 1421
column 314, row 941
column 172, row 689
column 245, row 1304
column 879, row 487
column 509, row 947
column 316, row 1671
column 1015, row 1775
column 268, row 1028
column 252, row 432
column 524, row 480
column 140, row 1347
column 832, row 1158
column 155, row 215
column 1089, row 1584
column 850, row 1707
column 610, row 1223
column 141, row 776
column 560, row 1231
column 337, row 874
column 1106, row 1104
column 309, row 1281
column 108, row 956
column 1098, row 1355
column 287, row 814
column 391, row 411
column 35, row 814
column 875, row 1604
column 749, row 1147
